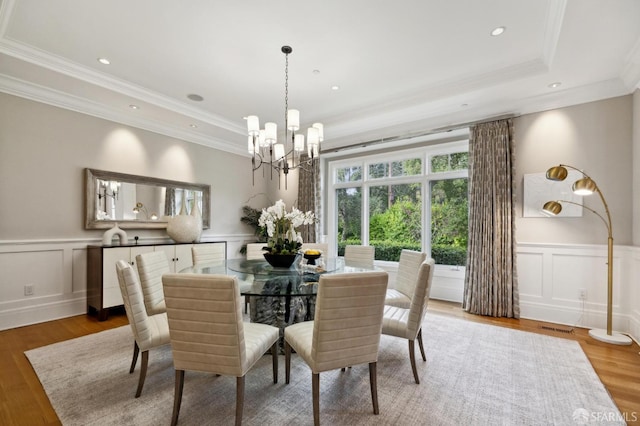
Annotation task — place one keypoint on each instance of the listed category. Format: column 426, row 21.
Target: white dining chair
column 207, row 253
column 149, row 331
column 359, row 256
column 345, row 330
column 151, row 267
column 408, row 266
column 407, row 323
column 209, row 335
column 255, row 251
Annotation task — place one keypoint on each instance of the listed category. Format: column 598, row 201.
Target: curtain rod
column 417, row 135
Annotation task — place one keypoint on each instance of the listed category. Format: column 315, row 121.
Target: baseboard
column 35, row 314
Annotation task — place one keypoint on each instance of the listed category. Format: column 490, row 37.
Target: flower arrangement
column 281, row 227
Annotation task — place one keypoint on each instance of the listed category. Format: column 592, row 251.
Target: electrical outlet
column 28, row 290
column 583, row 294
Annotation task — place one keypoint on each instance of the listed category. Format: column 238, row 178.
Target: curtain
column 308, row 198
column 491, row 284
column 170, row 202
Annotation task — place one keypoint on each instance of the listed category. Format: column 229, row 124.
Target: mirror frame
column 91, row 176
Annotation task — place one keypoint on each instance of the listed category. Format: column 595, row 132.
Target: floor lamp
column 587, row 186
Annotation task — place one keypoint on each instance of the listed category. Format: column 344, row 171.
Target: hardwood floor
column 24, row 402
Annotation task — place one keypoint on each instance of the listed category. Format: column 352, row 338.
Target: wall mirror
column 139, row 202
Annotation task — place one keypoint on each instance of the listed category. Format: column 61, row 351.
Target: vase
column 107, row 237
column 280, row 260
column 195, row 212
column 184, row 228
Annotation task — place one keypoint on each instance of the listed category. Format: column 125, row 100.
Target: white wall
column 43, row 152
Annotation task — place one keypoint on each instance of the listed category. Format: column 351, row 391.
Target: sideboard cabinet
column 103, row 290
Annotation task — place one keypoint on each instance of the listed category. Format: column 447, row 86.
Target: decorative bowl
column 311, row 257
column 280, row 260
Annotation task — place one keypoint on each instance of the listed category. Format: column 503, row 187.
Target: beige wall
column 595, row 137
column 44, row 150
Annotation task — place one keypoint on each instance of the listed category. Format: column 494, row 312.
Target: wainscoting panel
column 550, row 278
column 530, row 274
column 41, row 271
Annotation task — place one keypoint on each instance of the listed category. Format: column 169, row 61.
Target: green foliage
column 449, row 255
column 251, row 217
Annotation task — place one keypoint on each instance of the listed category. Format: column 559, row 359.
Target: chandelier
column 283, row 156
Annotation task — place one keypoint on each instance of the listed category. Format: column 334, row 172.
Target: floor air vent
column 560, row 330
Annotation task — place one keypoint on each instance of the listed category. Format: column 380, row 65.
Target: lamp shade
column 293, row 119
column 270, row 133
column 584, row 186
column 278, row 151
column 320, row 128
column 552, row 207
column 557, row 173
column 253, row 125
column 298, row 143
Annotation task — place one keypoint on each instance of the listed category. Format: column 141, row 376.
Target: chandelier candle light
column 587, row 186
column 263, row 143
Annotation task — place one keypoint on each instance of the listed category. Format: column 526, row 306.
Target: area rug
column 475, row 374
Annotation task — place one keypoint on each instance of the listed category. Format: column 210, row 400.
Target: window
column 414, row 199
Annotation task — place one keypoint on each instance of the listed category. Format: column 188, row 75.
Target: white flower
column 281, row 226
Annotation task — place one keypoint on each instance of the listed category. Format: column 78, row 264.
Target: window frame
column 424, row 178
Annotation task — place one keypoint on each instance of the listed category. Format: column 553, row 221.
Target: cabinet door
column 179, row 256
column 183, row 257
column 111, row 295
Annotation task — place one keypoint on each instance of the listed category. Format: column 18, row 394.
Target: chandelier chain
column 286, row 93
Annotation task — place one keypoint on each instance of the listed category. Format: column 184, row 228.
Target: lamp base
column 613, row 338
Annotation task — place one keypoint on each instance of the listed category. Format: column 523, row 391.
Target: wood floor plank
column 24, row 402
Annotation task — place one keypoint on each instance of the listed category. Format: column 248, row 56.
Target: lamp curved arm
column 607, row 224
column 604, row 202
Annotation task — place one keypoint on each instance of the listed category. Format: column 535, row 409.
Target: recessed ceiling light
column 335, row 87
column 464, row 105
column 194, row 97
column 554, row 85
column 104, row 61
column 132, row 106
column 316, row 71
column 497, row 31
column 193, row 126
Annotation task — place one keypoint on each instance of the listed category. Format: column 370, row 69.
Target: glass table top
column 258, row 278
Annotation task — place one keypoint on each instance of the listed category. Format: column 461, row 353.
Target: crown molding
column 46, row 95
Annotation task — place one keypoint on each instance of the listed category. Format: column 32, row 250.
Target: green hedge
column 390, row 250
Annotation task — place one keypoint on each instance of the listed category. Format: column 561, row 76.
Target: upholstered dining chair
column 254, row 251
column 208, row 333
column 345, row 330
column 149, row 331
column 207, row 253
column 151, row 267
column 359, row 255
column 407, row 323
column 408, row 267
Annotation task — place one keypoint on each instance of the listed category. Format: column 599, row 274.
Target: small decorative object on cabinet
column 107, row 237
column 103, row 290
column 184, row 228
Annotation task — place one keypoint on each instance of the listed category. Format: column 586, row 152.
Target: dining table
column 279, row 296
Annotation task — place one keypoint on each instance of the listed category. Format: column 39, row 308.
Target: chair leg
column 136, row 351
column 246, row 304
column 239, row 399
column 315, row 386
column 143, row 372
column 424, row 358
column 287, row 361
column 274, row 358
column 412, row 357
column 373, row 381
column 177, row 397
